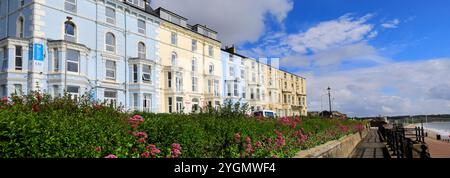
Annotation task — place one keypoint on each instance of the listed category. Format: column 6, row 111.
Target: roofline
column 170, row 12
column 240, row 55
column 153, row 13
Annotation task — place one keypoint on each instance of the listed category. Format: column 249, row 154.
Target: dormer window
column 137, row 3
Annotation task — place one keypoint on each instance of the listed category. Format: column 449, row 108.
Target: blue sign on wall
column 38, row 52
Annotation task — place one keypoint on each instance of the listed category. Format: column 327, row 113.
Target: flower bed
column 38, row 126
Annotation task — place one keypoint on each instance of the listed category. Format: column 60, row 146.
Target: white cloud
column 343, row 31
column 391, row 24
column 421, row 87
column 237, row 21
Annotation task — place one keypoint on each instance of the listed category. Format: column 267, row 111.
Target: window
column 174, row 38
column 56, row 91
column 5, row 59
column 216, row 88
column 210, row 86
column 147, row 102
column 211, row 69
column 137, row 3
column 236, row 93
column 73, row 91
column 194, row 45
column 70, row 5
column 174, row 59
column 252, row 93
column 242, row 62
column 18, row 89
column 135, row 73
column 194, row 65
column 253, row 77
column 19, row 58
column 147, row 74
column 110, row 15
column 242, row 74
column 244, row 93
column 211, row 51
column 20, row 27
column 110, row 42
column 110, row 70
column 141, row 26
column 70, row 31
column 231, row 57
column 4, row 91
column 135, row 101
column 229, row 89
column 179, row 82
column 22, row 3
column 73, row 60
column 169, row 79
column 258, row 94
column 253, row 65
column 56, row 65
column 194, row 84
column 170, row 103
column 111, row 97
column 231, row 71
column 141, row 50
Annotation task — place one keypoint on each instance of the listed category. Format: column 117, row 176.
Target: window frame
column 142, row 30
column 142, row 50
column 18, row 57
column 20, row 27
column 74, row 4
column 67, row 36
column 110, row 47
column 149, row 73
column 174, row 38
column 112, row 69
column 110, row 19
column 77, row 62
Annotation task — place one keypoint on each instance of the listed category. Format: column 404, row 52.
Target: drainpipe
column 7, row 19
column 125, row 59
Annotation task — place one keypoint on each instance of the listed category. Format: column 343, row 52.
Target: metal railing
column 402, row 146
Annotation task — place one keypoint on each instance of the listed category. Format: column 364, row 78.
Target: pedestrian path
column 370, row 147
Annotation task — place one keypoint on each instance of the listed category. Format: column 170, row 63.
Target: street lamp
column 329, row 99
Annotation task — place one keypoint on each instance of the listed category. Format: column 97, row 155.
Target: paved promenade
column 370, row 147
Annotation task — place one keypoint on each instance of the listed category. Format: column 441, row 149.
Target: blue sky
column 379, row 57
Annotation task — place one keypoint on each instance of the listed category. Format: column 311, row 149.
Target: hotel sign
column 38, row 51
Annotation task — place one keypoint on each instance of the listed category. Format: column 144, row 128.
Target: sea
column 442, row 128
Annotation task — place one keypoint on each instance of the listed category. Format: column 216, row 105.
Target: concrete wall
column 341, row 148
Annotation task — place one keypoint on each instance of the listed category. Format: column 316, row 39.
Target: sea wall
column 341, row 148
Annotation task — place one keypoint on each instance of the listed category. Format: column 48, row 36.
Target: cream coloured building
column 191, row 60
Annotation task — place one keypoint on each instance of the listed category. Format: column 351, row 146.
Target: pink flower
column 176, row 150
column 280, row 141
column 135, row 121
column 248, row 140
column 145, row 154
column 111, row 156
column 269, row 140
column 141, row 140
column 141, row 135
column 274, row 156
column 258, row 144
column 249, row 149
column 98, row 149
column 153, row 150
column 237, row 137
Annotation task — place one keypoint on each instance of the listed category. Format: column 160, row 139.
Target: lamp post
column 329, row 99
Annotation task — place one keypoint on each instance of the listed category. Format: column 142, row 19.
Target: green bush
column 37, row 126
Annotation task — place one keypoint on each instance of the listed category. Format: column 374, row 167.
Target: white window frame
column 72, row 3
column 211, row 68
column 108, row 99
column 20, row 27
column 56, row 62
column 174, row 38
column 18, row 89
column 147, row 103
column 111, row 47
column 194, row 84
column 111, row 69
column 18, row 57
column 231, row 71
column 142, row 30
column 142, row 51
column 211, row 51
column 194, row 65
column 73, row 95
column 147, row 76
column 70, row 37
column 110, row 18
column 77, row 62
column 194, row 45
